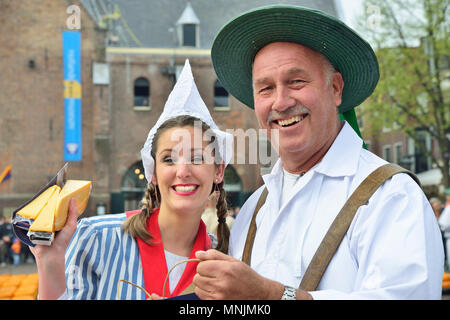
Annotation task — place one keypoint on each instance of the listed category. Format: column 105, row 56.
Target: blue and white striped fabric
column 98, row 256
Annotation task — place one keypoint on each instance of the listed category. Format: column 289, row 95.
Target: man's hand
column 222, row 277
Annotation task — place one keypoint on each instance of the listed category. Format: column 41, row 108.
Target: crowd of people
column 12, row 250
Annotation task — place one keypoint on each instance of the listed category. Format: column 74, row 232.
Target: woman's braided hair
column 136, row 225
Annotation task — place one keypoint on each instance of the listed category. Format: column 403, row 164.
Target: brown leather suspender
column 338, row 228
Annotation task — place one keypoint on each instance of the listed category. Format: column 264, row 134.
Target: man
column 298, row 68
column 444, row 223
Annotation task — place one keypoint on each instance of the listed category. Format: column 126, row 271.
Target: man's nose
column 283, row 100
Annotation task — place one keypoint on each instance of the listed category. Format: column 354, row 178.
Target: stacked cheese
column 18, row 286
column 49, row 210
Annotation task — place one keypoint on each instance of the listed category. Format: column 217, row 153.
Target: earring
column 156, row 196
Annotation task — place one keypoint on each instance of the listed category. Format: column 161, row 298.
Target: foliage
column 411, row 40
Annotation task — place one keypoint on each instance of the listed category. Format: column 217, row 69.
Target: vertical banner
column 72, row 95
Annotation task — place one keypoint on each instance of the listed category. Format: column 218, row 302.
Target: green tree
column 411, row 40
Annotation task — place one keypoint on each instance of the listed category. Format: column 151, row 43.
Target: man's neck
column 300, row 162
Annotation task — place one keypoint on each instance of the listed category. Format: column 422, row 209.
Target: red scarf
column 153, row 258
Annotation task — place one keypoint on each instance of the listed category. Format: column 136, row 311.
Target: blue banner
column 72, row 95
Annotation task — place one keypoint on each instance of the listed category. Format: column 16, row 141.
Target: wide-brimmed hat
column 237, row 43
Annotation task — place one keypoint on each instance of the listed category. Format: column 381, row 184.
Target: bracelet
column 289, row 293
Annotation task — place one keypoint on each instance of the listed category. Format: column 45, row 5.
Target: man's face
column 295, row 92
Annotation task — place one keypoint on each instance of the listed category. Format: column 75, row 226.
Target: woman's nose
column 183, row 169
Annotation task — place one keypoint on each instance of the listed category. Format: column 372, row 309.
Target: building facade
column 131, row 54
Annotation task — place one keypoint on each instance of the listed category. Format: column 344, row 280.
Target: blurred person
column 141, row 246
column 15, row 251
column 236, row 211
column 436, row 204
column 6, row 236
column 210, row 219
column 444, row 223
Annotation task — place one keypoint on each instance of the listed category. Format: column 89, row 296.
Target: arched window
column 220, row 96
column 133, row 186
column 142, row 93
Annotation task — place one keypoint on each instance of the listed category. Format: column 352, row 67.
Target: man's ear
column 337, row 84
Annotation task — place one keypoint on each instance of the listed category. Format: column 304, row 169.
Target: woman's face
column 184, row 170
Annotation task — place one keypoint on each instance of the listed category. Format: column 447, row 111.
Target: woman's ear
column 154, row 180
column 220, row 171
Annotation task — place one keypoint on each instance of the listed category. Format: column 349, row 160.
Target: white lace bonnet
column 185, row 100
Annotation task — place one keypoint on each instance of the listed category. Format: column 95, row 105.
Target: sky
column 349, row 9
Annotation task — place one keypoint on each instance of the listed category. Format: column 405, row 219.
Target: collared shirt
column 392, row 250
column 100, row 254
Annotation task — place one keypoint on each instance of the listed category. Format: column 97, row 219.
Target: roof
column 153, row 23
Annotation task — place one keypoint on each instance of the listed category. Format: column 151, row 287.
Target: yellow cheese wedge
column 45, row 220
column 34, row 208
column 77, row 189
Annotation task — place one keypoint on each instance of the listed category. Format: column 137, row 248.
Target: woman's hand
column 50, row 260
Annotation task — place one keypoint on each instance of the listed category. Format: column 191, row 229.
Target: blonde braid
column 136, row 225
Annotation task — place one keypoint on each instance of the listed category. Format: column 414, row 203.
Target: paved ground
column 24, row 268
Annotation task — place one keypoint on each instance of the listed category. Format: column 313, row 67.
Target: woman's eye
column 167, row 160
column 197, row 160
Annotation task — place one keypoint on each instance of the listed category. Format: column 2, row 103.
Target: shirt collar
column 344, row 151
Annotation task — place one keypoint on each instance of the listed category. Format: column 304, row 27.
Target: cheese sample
column 53, row 215
column 46, row 219
column 34, row 208
column 77, row 189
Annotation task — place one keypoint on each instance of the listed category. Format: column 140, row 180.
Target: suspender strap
column 338, row 228
column 247, row 254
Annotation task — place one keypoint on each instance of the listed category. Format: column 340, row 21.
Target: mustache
column 295, row 110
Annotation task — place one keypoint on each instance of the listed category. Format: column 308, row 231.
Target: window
column 220, row 96
column 189, row 35
column 387, row 153
column 398, row 152
column 142, row 94
column 133, row 186
column 422, row 149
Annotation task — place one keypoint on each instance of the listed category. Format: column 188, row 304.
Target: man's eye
column 264, row 89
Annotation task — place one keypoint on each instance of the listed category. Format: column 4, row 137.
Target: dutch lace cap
column 186, row 100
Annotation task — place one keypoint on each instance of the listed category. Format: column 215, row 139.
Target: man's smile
column 290, row 121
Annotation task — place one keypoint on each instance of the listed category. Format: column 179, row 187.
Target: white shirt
column 392, row 250
column 175, row 276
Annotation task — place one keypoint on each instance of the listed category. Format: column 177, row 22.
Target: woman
column 140, row 247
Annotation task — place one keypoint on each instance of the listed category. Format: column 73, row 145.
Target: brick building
column 131, row 54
